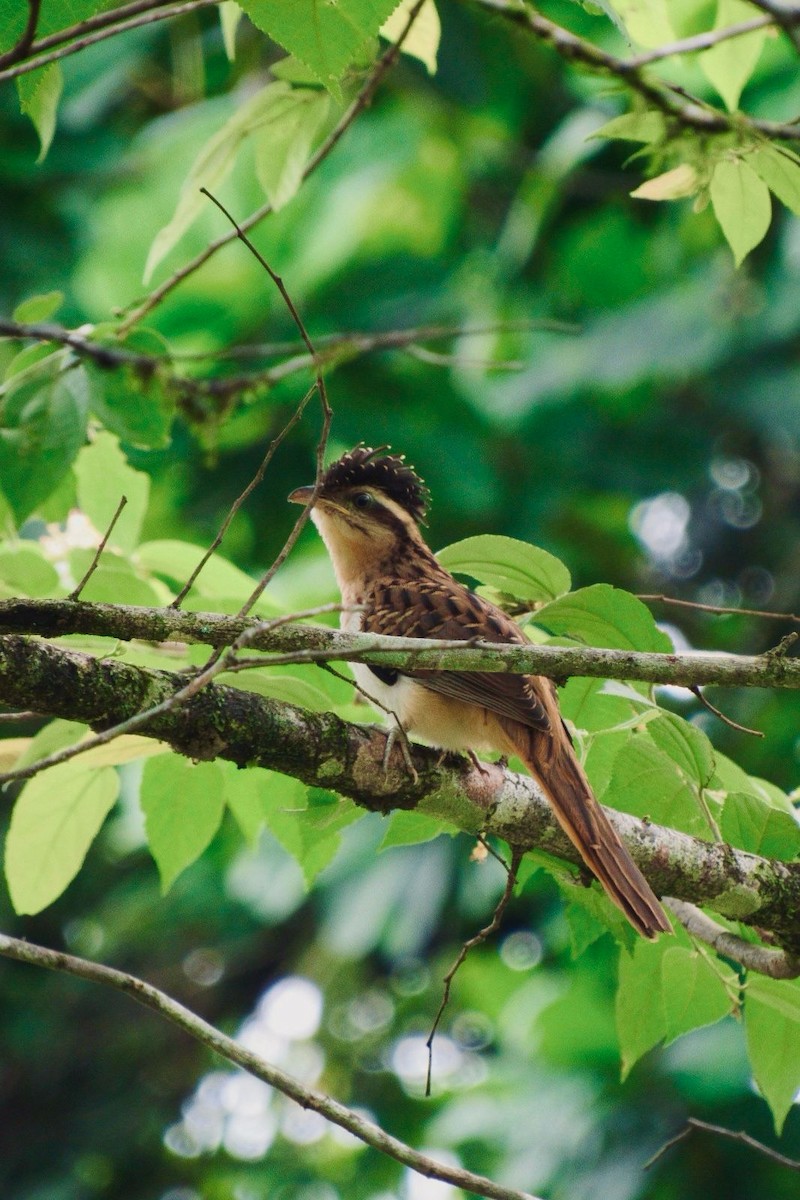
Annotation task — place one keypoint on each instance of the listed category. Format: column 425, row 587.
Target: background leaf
column 514, row 567
column 741, row 205
column 183, row 803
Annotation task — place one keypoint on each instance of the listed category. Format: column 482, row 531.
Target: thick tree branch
column 231, row 1050
column 313, row 643
column 322, row 750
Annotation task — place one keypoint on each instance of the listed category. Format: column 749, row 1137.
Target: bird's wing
column 442, row 608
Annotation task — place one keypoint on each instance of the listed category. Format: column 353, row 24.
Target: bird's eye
column 362, row 499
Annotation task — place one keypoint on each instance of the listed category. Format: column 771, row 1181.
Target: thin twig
column 91, row 39
column 361, row 101
column 240, row 499
column 231, row 1050
column 470, row 944
column 75, row 593
column 740, row 1136
column 702, row 41
column 777, row 964
column 98, row 21
column 25, row 40
column 722, row 716
column 720, row 609
column 21, row 716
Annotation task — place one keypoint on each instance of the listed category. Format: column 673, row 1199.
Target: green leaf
column 753, row 825
column 602, row 615
column 183, row 803
column 423, row 38
column 104, row 476
column 131, row 405
column 412, row 828
column 772, row 1025
column 215, row 162
column 279, row 687
column 42, row 427
column 741, row 205
column 251, row 795
column 309, row 826
column 693, row 991
column 590, row 914
column 175, row 561
column 55, row 736
column 647, row 21
column 686, row 745
column 114, row 580
column 634, row 127
column 39, row 94
column 681, row 181
column 641, row 1020
column 38, row 308
column 24, row 571
column 647, row 783
column 54, row 822
column 730, row 63
column 283, row 142
column 326, row 37
column 514, row 567
column 230, row 14
column 780, row 172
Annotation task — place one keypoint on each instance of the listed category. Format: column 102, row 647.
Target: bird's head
column 369, row 503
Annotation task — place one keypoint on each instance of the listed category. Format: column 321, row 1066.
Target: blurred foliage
column 656, row 448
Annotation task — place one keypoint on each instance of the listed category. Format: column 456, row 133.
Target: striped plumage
column 368, row 512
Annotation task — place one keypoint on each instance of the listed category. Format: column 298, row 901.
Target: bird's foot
column 484, row 768
column 398, row 734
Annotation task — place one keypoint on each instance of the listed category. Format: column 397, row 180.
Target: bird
column 369, row 508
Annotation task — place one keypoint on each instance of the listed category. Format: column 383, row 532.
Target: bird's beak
column 301, row 495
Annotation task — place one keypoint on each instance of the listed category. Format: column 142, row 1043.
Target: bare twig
column 362, row 100
column 90, row 39
column 721, row 1131
column 233, row 1052
column 702, row 41
column 777, row 964
column 25, row 40
column 240, row 499
column 720, row 609
column 722, row 716
column 75, row 593
column 98, row 21
column 470, row 944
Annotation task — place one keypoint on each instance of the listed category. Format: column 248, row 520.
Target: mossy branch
column 323, row 750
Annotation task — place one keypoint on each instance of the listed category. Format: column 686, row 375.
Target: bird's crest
column 388, row 472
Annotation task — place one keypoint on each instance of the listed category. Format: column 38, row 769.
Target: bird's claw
column 397, row 734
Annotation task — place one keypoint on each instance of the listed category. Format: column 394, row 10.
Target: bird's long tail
column 581, row 817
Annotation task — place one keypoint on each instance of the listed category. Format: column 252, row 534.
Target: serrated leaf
column 590, row 914
column 602, row 615
column 634, row 127
column 780, row 172
column 647, row 783
column 686, row 745
column 423, row 38
column 131, row 405
column 214, row 163
column 42, row 426
column 312, row 835
column 183, row 803
column 104, row 475
column 729, row 64
column 38, row 308
column 24, row 571
column 230, row 14
column 283, row 142
column 693, row 991
column 681, row 181
column 326, row 37
column 741, row 205
column 411, row 829
column 514, row 567
column 253, row 794
column 753, row 825
column 772, row 1025
column 641, row 1020
column 55, row 820
column 39, row 94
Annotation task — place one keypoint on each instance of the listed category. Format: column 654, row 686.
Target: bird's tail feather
column 582, row 818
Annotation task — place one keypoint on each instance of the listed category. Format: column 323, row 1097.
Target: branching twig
column 741, row 1136
column 720, row 609
column 362, row 100
column 75, row 593
column 723, row 717
column 777, row 964
column 470, row 944
column 233, row 1052
column 90, row 39
column 25, row 41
